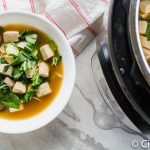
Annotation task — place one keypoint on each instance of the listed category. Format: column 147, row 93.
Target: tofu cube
column 9, row 59
column 142, row 27
column 145, row 16
column 46, row 52
column 11, row 36
column 9, row 82
column 43, row 90
column 29, row 87
column 8, row 72
column 19, row 88
column 148, row 59
column 43, row 69
column 146, row 51
column 145, row 6
column 30, row 73
column 145, row 42
column 15, row 110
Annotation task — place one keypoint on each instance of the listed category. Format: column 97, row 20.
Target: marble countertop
column 85, row 124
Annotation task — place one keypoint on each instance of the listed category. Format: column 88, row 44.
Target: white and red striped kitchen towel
column 79, row 20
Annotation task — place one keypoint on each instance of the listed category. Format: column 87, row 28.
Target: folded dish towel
column 79, row 20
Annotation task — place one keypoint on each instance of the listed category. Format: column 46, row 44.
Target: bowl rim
column 41, row 18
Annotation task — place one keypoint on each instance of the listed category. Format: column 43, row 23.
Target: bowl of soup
column 37, row 72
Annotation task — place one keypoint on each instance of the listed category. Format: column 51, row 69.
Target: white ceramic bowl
column 38, row 121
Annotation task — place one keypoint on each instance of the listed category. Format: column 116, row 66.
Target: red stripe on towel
column 54, row 22
column 83, row 16
column 32, row 6
column 106, row 2
column 4, row 5
column 43, row 3
column 75, row 51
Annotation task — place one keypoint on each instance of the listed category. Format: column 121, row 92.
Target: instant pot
column 122, row 73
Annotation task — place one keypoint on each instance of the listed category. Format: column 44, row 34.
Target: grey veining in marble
column 86, row 123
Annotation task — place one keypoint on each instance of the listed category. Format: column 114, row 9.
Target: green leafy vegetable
column 2, row 60
column 32, row 38
column 2, row 86
column 17, row 60
column 148, row 31
column 28, row 95
column 30, row 56
column 30, row 47
column 22, row 44
column 24, row 79
column 141, row 18
column 34, row 57
column 28, row 65
column 25, row 33
column 11, row 100
column 7, row 98
column 36, row 79
column 11, row 49
column 17, row 73
column 56, row 60
column 6, row 68
column 4, row 89
column 1, row 30
column 53, row 45
column 26, row 55
column 1, row 79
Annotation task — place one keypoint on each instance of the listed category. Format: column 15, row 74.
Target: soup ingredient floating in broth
column 25, row 68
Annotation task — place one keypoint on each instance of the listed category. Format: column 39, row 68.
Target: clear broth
column 34, row 107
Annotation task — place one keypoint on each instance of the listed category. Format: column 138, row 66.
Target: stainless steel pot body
column 135, row 40
column 116, row 40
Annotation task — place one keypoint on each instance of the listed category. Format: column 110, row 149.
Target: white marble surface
column 85, row 124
